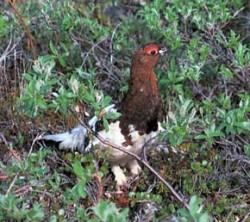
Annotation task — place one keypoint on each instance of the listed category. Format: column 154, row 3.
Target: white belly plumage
column 117, row 157
column 115, row 136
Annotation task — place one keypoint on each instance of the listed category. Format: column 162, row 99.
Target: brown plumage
column 141, row 111
column 142, row 105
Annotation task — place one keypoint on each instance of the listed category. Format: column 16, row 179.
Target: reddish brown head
column 142, row 76
column 147, row 56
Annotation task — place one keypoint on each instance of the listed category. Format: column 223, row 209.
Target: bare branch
column 146, row 164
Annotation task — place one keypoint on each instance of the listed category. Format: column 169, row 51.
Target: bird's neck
column 143, row 79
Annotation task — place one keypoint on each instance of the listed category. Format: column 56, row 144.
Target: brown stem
column 13, row 152
column 30, row 42
column 100, row 190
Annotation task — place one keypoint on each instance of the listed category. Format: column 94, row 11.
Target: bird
column 141, row 114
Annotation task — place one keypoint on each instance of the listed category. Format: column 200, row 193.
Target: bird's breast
column 115, row 136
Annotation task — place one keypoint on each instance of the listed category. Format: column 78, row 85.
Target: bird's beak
column 163, row 50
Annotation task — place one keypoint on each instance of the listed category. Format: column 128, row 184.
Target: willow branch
column 13, row 6
column 146, row 164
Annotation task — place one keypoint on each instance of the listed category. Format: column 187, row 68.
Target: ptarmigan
column 141, row 114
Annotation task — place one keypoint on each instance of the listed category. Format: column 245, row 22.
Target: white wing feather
column 76, row 138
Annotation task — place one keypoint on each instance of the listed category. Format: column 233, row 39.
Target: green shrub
column 84, row 51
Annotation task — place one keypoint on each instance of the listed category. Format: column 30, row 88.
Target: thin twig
column 8, row 50
column 100, row 190
column 110, row 144
column 246, row 217
column 13, row 152
column 3, row 177
column 111, row 42
column 234, row 15
column 12, row 184
column 12, row 4
column 33, row 143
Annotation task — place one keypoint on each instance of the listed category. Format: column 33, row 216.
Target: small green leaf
column 78, row 169
column 247, row 150
column 106, row 124
column 226, row 72
column 53, row 48
column 80, row 188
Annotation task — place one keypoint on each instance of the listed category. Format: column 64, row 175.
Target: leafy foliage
column 109, row 212
column 194, row 213
column 83, row 64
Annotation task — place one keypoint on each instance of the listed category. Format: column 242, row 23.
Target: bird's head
column 147, row 56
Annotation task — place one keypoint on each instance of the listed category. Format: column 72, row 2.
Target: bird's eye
column 153, row 52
